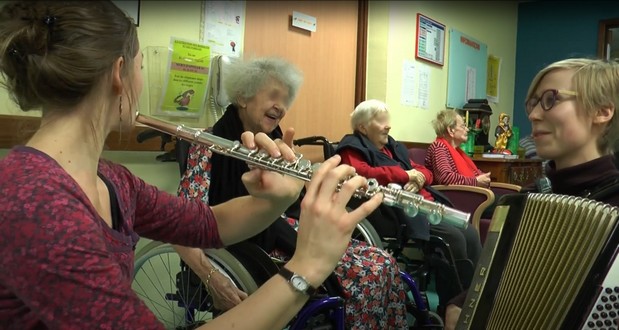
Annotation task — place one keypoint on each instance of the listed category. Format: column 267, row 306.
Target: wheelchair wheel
column 434, row 322
column 176, row 295
column 364, row 231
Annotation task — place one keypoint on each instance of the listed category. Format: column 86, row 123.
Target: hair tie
column 49, row 20
column 16, row 54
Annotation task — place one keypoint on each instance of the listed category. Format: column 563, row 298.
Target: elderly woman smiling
column 261, row 91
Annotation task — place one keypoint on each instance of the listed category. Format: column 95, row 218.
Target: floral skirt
column 373, row 290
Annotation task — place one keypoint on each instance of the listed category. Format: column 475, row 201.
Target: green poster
column 186, row 80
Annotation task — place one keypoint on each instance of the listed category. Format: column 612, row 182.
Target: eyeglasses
column 548, row 99
column 462, row 126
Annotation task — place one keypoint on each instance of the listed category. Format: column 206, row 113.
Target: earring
column 120, row 109
column 120, row 119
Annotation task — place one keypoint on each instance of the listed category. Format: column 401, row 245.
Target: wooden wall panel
column 327, row 58
column 16, row 130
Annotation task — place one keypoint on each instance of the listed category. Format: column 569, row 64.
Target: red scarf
column 464, row 164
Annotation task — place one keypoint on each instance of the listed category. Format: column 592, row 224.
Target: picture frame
column 131, row 7
column 430, row 43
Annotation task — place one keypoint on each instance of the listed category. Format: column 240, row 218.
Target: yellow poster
column 492, row 83
column 186, row 80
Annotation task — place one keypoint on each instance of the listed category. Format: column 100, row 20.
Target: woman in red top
column 448, row 163
column 375, row 154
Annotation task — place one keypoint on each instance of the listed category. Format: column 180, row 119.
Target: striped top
column 439, row 161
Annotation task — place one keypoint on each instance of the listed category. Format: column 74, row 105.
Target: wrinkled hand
column 483, row 180
column 225, row 294
column 412, row 187
column 325, row 226
column 416, row 177
column 268, row 184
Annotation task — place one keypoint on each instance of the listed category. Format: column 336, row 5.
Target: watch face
column 299, row 283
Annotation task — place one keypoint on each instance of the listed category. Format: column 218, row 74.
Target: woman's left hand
column 267, row 184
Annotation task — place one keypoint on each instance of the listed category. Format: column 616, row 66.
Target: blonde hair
column 444, row 120
column 596, row 83
column 365, row 111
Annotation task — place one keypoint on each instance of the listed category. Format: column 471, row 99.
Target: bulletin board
column 222, row 27
column 467, row 67
column 430, row 44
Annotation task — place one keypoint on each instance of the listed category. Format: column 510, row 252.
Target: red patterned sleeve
column 56, row 262
column 168, row 218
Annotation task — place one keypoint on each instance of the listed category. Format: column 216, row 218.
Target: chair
column 468, row 199
column 499, row 189
column 417, row 155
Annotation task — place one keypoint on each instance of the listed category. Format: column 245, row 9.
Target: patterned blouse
column 373, row 289
column 62, row 266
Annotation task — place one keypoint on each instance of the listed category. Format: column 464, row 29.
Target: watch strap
column 288, row 274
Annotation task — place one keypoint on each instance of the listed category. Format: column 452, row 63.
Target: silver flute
column 393, row 194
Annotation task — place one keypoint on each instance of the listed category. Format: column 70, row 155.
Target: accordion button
column 608, row 290
column 603, row 315
column 613, row 298
column 612, row 314
column 608, row 323
column 599, row 323
column 591, row 324
column 616, row 305
column 599, row 307
column 617, row 289
column 604, row 299
column 595, row 316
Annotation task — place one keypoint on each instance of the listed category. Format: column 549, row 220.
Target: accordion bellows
column 548, row 263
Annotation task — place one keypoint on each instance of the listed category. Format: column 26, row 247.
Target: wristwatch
column 298, row 282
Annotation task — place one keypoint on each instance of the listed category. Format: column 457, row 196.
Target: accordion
column 549, row 262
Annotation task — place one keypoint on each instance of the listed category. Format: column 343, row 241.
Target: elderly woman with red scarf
column 449, row 163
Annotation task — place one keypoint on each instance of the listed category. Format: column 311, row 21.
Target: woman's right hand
column 325, row 226
column 483, row 180
column 263, row 183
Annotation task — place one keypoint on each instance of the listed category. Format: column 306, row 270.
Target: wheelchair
column 432, row 257
column 179, row 299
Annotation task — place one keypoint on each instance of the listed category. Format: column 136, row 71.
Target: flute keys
column 304, row 165
column 434, row 217
column 391, row 194
column 262, row 154
column 411, row 209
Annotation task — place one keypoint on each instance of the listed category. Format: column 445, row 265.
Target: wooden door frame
column 362, row 51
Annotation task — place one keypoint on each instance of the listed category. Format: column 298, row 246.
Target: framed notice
column 430, row 40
